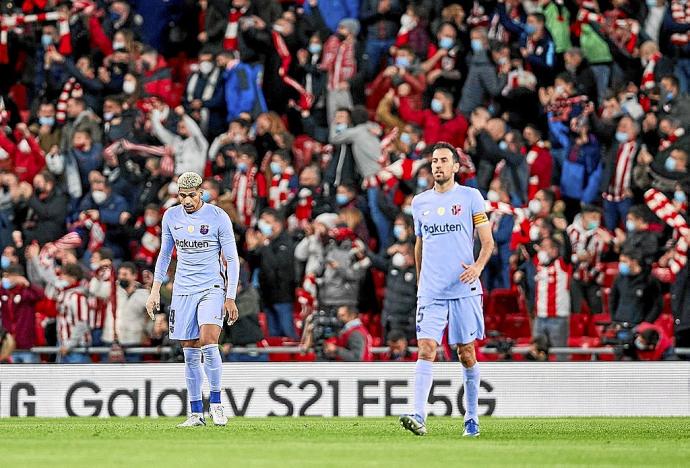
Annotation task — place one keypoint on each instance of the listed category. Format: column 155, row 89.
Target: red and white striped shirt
column 584, row 240
column 622, row 171
column 552, row 284
column 73, row 316
column 279, row 193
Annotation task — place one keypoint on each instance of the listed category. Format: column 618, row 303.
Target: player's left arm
column 226, row 239
column 481, row 224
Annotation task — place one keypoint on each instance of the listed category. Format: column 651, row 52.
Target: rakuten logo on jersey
column 187, row 244
column 440, row 229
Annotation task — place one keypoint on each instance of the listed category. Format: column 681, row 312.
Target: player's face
column 190, row 199
column 443, row 167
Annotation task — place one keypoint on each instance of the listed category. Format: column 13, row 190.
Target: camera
column 326, row 325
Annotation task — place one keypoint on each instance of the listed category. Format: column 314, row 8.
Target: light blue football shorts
column 188, row 312
column 464, row 318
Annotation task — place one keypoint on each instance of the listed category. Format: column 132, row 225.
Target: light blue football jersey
column 200, row 238
column 446, row 222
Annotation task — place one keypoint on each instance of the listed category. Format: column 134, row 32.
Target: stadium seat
column 610, row 271
column 276, row 341
column 263, row 323
column 582, row 342
column 579, row 325
column 595, row 330
column 516, row 326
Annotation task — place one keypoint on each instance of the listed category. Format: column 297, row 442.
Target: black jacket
column 680, row 300
column 645, row 243
column 636, row 299
column 276, row 263
column 46, row 221
column 246, row 330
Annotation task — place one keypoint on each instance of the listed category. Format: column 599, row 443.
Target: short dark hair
column 105, row 253
column 538, row 16
column 672, row 79
column 73, row 270
column 396, row 335
column 650, row 336
column 274, row 213
column 448, row 146
column 129, row 266
column 640, row 211
column 351, row 310
column 249, row 150
column 550, row 195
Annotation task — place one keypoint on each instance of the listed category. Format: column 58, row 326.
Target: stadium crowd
column 309, row 122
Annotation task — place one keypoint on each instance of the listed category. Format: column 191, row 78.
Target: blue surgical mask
column 50, row 121
column 679, row 196
column 436, row 106
column 205, row 196
column 592, row 225
column 242, row 166
column 340, row 127
column 398, row 231
column 61, row 284
column 4, row 262
column 630, row 225
column 621, row 137
column 503, row 145
column 46, row 40
column 624, row 269
column 341, row 199
column 402, row 62
column 276, row 168
column 422, row 182
column 669, row 96
column 670, row 164
column 314, row 48
column 265, row 228
column 477, row 45
column 446, row 42
column 651, row 3
column 405, row 138
column 529, row 29
column 7, row 283
column 407, row 210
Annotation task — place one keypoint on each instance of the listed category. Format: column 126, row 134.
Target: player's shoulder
column 468, row 192
column 216, row 212
column 172, row 213
column 422, row 197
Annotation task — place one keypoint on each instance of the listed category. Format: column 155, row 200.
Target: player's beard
column 443, row 180
column 192, row 208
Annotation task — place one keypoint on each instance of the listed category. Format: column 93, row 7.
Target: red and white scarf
column 648, row 81
column 71, row 89
column 620, row 181
column 680, row 12
column 665, row 210
column 664, row 143
column 10, row 22
column 306, row 99
column 231, row 30
column 164, row 152
column 279, row 191
column 243, row 195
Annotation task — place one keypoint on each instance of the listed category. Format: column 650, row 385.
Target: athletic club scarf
column 230, row 40
column 242, row 195
column 648, row 81
column 279, row 191
column 665, row 210
column 150, row 243
column 165, row 153
column 11, row 22
column 71, row 89
column 306, row 99
column 665, row 143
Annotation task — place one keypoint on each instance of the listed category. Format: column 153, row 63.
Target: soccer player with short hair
column 204, row 289
column 449, row 292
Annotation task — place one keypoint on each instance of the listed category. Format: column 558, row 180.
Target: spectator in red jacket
column 353, row 343
column 440, row 122
column 18, row 301
column 539, row 160
column 652, row 343
column 405, row 76
column 157, row 77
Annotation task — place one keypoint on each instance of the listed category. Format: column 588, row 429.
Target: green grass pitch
column 343, row 442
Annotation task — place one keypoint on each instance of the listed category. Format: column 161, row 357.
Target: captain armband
column 479, row 218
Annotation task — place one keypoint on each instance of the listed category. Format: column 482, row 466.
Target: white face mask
column 99, row 196
column 543, row 257
column 128, row 87
column 533, row 233
column 150, row 220
column 398, row 260
column 206, row 67
column 23, row 146
column 118, row 45
column 493, row 196
column 534, row 207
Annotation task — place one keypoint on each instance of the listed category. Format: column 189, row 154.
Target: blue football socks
column 472, row 379
column 423, row 378
column 213, row 366
column 194, row 375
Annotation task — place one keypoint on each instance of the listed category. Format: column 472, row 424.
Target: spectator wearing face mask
column 271, row 250
column 189, row 144
column 18, row 300
column 203, row 97
column 147, row 232
column 589, row 244
column 652, row 343
column 484, row 81
column 47, row 206
column 47, row 132
column 73, row 314
column 673, row 102
column 440, row 122
column 354, row 342
column 496, row 275
column 404, row 77
column 339, row 61
column 539, row 161
column 157, row 76
column 87, row 155
column 636, row 295
column 445, row 66
column 398, row 350
column 552, row 310
column 639, row 236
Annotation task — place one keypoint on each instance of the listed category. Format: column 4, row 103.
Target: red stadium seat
column 516, row 326
column 263, row 323
column 579, row 325
column 610, row 271
column 504, row 302
column 582, row 342
column 594, row 329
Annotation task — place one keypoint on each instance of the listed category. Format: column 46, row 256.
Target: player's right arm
column 162, row 264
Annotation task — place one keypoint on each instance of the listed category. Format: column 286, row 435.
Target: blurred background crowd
column 309, row 122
